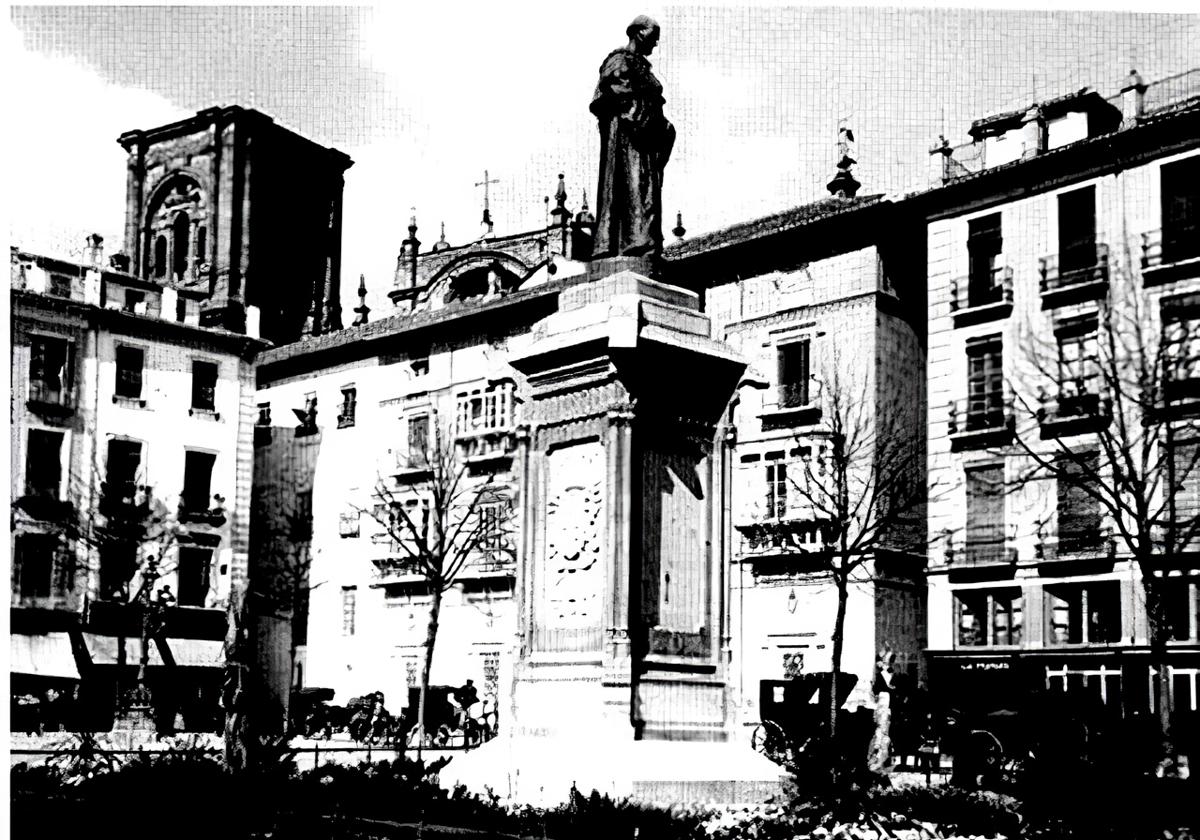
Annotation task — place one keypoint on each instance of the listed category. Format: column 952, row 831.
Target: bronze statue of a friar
column 635, row 144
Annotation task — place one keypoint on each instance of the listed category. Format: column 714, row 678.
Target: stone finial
column 844, row 184
column 584, row 217
column 679, row 230
column 413, row 247
column 441, row 244
column 560, row 212
column 362, row 311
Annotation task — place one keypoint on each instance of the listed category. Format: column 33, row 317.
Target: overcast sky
column 426, row 96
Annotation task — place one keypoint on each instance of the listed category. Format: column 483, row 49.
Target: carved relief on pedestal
column 572, row 567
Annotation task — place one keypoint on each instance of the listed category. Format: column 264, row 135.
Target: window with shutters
column 130, row 361
column 1181, row 347
column 197, row 481
column 776, row 501
column 194, row 575
column 1181, row 210
column 418, row 441
column 985, row 534
column 43, row 464
column 1185, row 502
column 1078, row 368
column 204, row 386
column 1076, row 231
column 52, row 371
column 1078, row 508
column 984, row 245
column 989, row 617
column 985, row 384
column 795, row 373
column 1080, row 614
column 349, row 407
column 122, row 469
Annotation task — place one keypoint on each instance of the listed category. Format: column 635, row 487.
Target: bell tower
column 241, row 214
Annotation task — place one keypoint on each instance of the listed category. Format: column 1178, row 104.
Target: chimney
column 1033, row 132
column 1132, row 99
column 939, row 158
column 95, row 251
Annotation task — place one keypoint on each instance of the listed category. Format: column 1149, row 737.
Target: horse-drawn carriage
column 795, row 718
column 447, row 723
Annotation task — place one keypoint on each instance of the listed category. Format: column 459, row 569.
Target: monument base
column 602, row 267
column 541, row 771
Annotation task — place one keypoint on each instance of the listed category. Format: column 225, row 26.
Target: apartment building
column 1063, row 263
column 126, row 410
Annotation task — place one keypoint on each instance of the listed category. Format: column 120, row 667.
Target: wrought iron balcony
column 1171, row 253
column 785, row 536
column 1072, row 414
column 1070, row 278
column 50, row 398
column 1077, row 545
column 979, row 423
column 974, row 300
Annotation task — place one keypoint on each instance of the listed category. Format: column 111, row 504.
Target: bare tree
column 440, row 516
column 1109, row 415
column 862, row 479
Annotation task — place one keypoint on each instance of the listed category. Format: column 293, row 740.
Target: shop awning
column 186, row 653
column 45, row 655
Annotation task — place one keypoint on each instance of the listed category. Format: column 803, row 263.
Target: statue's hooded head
column 643, row 34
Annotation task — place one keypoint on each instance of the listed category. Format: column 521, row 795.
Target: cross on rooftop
column 487, row 213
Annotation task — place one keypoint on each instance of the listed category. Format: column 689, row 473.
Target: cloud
column 63, row 169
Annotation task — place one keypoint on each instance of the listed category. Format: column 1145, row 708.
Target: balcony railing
column 1171, row 253
column 48, row 395
column 1077, row 544
column 974, row 300
column 1078, row 279
column 980, row 552
column 976, row 423
column 1072, row 413
column 785, row 536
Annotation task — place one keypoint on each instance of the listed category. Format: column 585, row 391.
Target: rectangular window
column 43, row 464
column 349, row 403
column 1083, row 613
column 485, row 409
column 1185, row 467
column 194, row 571
column 1181, row 348
column 264, row 414
column 418, row 440
column 1181, row 210
column 130, row 361
column 135, row 301
column 1078, row 509
column 988, row 618
column 51, row 370
column 1078, row 368
column 1076, row 230
column 349, row 598
column 794, row 374
column 34, row 564
column 985, row 535
column 984, row 245
column 204, row 386
column 123, row 468
column 60, row 285
column 197, row 481
column 777, row 486
column 985, row 384
column 1182, row 600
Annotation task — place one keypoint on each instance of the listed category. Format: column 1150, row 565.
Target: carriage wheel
column 988, row 752
column 769, row 739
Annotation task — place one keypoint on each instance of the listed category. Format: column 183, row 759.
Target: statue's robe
column 635, row 144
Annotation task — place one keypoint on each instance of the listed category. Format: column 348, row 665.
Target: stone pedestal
column 622, row 586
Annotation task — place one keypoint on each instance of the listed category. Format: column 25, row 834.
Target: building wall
column 1127, row 206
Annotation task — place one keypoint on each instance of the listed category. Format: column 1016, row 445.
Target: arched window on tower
column 160, row 256
column 181, row 230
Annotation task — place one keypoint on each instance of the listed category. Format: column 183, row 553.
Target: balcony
column 1064, row 282
column 1072, row 414
column 396, row 570
column 981, row 558
column 197, row 512
column 977, row 424
column 785, row 545
column 50, row 399
column 485, row 430
column 976, row 300
column 1076, row 552
column 1170, row 254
